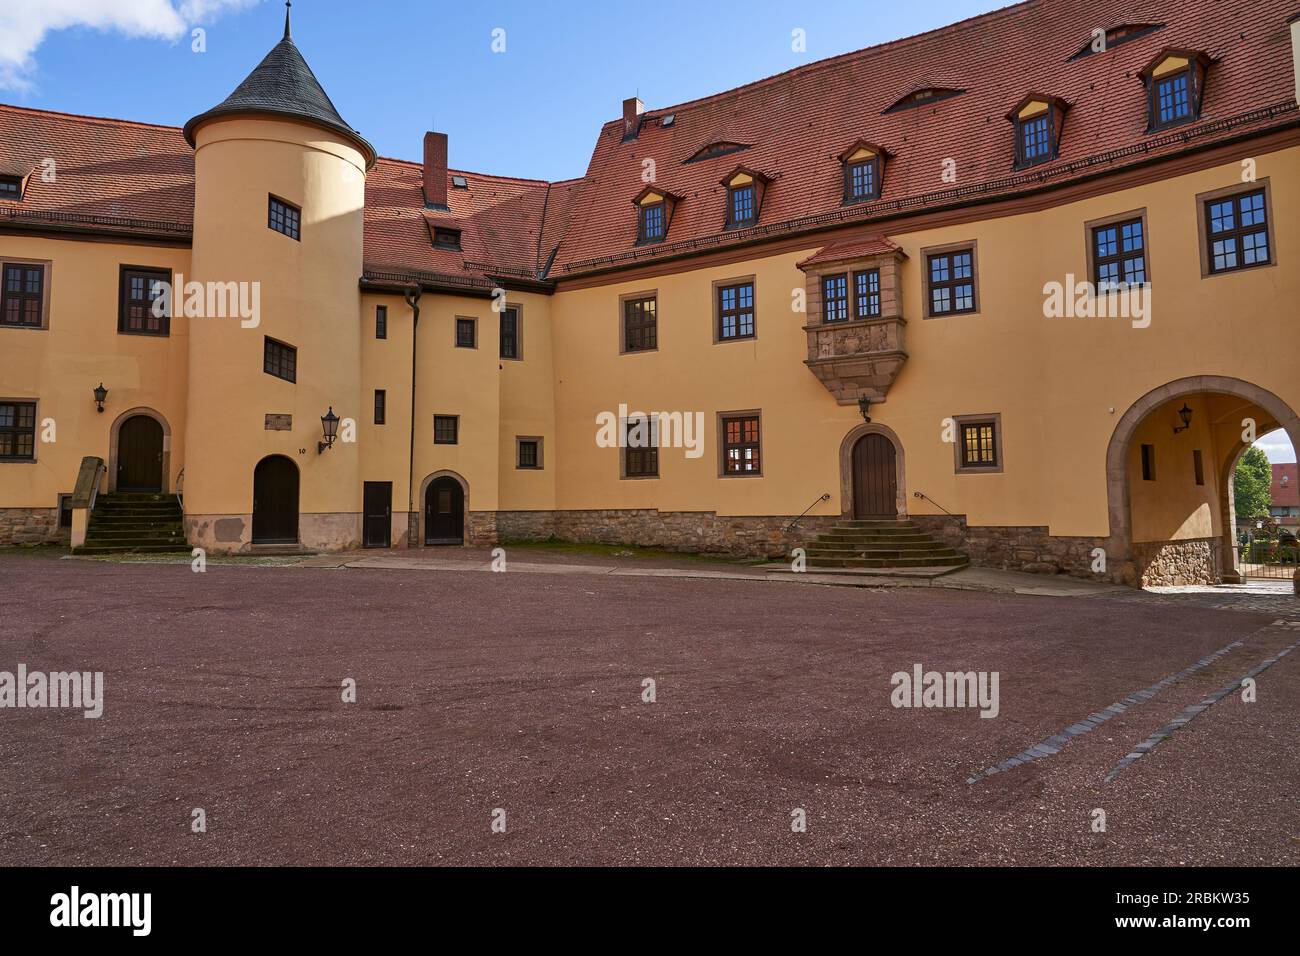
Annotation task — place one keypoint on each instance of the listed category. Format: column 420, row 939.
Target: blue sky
column 403, row 64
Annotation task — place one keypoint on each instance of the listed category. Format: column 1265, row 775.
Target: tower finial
column 288, row 7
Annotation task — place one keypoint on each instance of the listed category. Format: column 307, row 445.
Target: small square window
column 446, row 429
column 529, row 454
column 11, row 187
column 285, row 218
column 950, row 280
column 735, row 305
column 381, row 321
column 18, row 431
column 143, row 307
column 22, row 295
column 381, row 406
column 280, row 360
column 1237, row 232
column 741, row 445
column 1119, row 255
column 978, row 444
column 466, row 333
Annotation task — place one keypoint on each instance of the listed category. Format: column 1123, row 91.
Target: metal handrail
column 921, row 494
column 180, row 490
column 825, row 497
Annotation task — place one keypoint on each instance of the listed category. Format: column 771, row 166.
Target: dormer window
column 11, row 187
column 1116, row 36
column 1038, row 121
column 863, row 169
column 654, row 209
column 923, row 96
column 1175, row 82
column 444, row 238
column 718, row 148
column 745, row 190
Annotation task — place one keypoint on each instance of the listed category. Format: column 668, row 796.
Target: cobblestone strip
column 1053, row 745
column 1186, row 715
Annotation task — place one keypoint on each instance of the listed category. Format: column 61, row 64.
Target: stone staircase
column 885, row 543
column 133, row 522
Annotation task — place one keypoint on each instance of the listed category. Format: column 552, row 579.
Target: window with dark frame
column 952, row 282
column 741, row 208
column 642, row 459
column 529, row 456
column 1119, row 255
column 862, row 180
column 640, row 324
column 741, row 440
column 1035, row 139
column 835, row 298
column 280, row 360
column 466, row 334
column 1171, row 99
column 285, row 218
column 381, row 321
column 650, row 226
column 381, row 403
column 866, row 294
column 11, row 187
column 736, row 311
column 1198, row 466
column 17, row 431
column 1236, row 232
column 22, row 295
column 979, row 445
column 446, row 429
column 140, row 290
column 510, row 334
column 1148, row 462
column 448, row 239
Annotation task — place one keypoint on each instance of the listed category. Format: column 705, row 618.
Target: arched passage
column 444, row 512
column 871, row 473
column 139, row 451
column 275, row 501
column 1169, row 486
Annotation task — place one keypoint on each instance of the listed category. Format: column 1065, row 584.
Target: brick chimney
column 435, row 170
column 632, row 110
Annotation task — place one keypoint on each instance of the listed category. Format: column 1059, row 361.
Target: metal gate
column 1261, row 554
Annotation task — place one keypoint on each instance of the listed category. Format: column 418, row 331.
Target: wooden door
column 377, row 502
column 875, row 478
column 444, row 512
column 275, row 501
column 139, row 454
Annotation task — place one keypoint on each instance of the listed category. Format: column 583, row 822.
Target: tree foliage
column 1252, row 483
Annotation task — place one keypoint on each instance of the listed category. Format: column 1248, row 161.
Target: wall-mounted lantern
column 864, row 406
column 101, row 393
column 1185, row 414
column 329, row 423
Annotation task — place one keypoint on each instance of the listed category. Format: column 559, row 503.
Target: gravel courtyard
column 478, row 692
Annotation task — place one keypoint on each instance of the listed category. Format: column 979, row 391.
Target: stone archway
column 846, row 467
column 1119, row 545
column 114, row 432
column 421, row 530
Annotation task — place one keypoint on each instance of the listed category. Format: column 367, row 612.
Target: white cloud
column 25, row 23
column 1277, row 445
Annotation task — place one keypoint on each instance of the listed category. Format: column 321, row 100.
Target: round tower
column 279, row 192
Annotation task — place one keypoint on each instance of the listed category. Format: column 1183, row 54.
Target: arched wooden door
column 444, row 512
column 139, row 454
column 275, row 501
column 875, row 478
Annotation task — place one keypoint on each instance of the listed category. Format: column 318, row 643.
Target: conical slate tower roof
column 283, row 85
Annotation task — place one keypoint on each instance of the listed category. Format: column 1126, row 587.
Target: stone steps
column 880, row 543
column 140, row 523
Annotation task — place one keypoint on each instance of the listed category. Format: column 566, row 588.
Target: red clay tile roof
column 1285, row 491
column 851, row 249
column 116, row 175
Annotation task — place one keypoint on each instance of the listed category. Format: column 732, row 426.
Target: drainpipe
column 412, row 296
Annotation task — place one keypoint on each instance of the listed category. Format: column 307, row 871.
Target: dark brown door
column 444, row 512
column 275, row 501
column 139, row 454
column 875, row 478
column 378, row 504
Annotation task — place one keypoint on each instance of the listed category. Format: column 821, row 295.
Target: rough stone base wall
column 20, row 526
column 688, row 531
column 482, row 528
column 1178, row 563
column 1029, row 548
